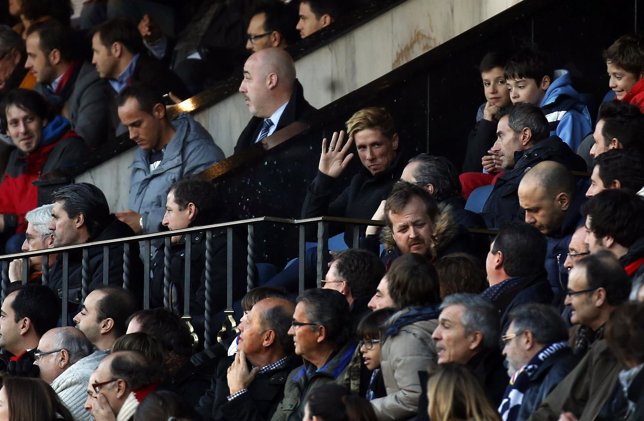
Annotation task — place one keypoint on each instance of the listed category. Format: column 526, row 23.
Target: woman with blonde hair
column 455, row 395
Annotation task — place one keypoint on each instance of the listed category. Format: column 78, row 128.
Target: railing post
column 45, row 269
column 323, row 250
column 126, row 265
column 166, row 273
column 65, row 286
column 146, row 244
column 106, row 265
column 5, row 278
column 250, row 259
column 209, row 290
column 301, row 267
column 84, row 273
column 25, row 270
column 355, row 231
column 187, row 281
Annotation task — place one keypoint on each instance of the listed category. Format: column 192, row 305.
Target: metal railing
column 146, row 242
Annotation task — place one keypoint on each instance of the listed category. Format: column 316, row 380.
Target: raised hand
column 239, row 375
column 335, row 156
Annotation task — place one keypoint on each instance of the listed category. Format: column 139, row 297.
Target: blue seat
column 477, row 199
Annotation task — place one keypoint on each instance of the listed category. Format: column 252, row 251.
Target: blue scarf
column 412, row 315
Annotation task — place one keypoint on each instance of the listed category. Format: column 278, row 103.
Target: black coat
column 549, row 375
column 113, row 229
column 503, row 203
column 197, row 275
column 258, row 404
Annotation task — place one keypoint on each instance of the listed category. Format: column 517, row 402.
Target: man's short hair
column 121, row 30
column 375, row 118
column 74, row 341
column 38, row 303
column 87, row 199
column 54, row 35
column 11, row 40
column 117, row 304
column 440, row 173
column 491, row 60
column 168, row 328
column 603, row 270
column 27, row 100
column 622, row 165
column 617, row 213
column 146, row 96
column 624, row 122
column 204, row 196
column 257, row 294
column 278, row 317
column 40, row 218
column 531, row 116
column 479, row 315
column 324, row 7
column 413, row 282
column 279, row 17
column 403, row 193
column 529, row 63
column 627, row 52
column 524, row 248
column 328, row 308
column 625, row 333
column 361, row 269
column 132, row 367
column 542, row 320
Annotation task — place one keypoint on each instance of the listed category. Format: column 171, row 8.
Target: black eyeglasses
column 39, row 354
column 295, row 324
column 571, row 293
column 574, row 254
column 368, row 343
column 98, row 385
column 253, row 38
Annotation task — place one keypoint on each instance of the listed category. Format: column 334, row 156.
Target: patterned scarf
column 520, row 381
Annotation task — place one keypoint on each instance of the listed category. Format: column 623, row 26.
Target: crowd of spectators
column 529, row 307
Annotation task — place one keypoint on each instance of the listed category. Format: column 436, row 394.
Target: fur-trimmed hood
column 445, row 231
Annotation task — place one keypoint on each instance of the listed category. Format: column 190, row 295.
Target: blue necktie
column 266, row 126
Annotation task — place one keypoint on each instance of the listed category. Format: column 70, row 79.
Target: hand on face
column 239, row 375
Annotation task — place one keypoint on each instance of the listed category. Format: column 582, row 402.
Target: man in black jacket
column 523, row 141
column 81, row 215
column 250, row 385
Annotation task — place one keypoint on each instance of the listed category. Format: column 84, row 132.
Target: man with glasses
column 321, row 334
column 66, row 361
column 250, row 384
column 119, row 383
column 577, row 248
column 538, row 358
column 272, row 24
column 597, row 285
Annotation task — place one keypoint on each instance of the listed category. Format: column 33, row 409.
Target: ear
column 526, row 136
column 321, row 334
column 615, row 184
column 563, row 201
column 63, row 359
column 106, row 325
column 79, row 220
column 272, row 80
column 615, row 144
column 475, row 338
column 16, row 57
column 600, row 297
column 394, row 141
column 527, row 339
column 24, row 325
column 121, row 388
column 49, row 241
column 158, row 111
column 54, row 56
column 116, row 49
column 276, row 39
column 608, row 241
column 430, row 188
column 269, row 338
column 545, row 83
column 326, row 20
column 192, row 211
column 499, row 258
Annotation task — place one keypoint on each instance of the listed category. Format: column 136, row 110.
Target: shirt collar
column 121, row 82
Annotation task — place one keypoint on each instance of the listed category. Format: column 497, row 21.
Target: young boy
column 497, row 96
column 625, row 68
column 370, row 330
column 530, row 79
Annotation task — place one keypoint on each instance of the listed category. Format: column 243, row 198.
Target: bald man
column 272, row 94
column 551, row 199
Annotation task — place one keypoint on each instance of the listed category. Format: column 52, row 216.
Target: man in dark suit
column 272, row 94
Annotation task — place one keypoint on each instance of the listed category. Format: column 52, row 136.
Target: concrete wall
column 369, row 52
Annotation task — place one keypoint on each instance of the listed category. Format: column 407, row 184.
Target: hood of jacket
column 561, row 87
